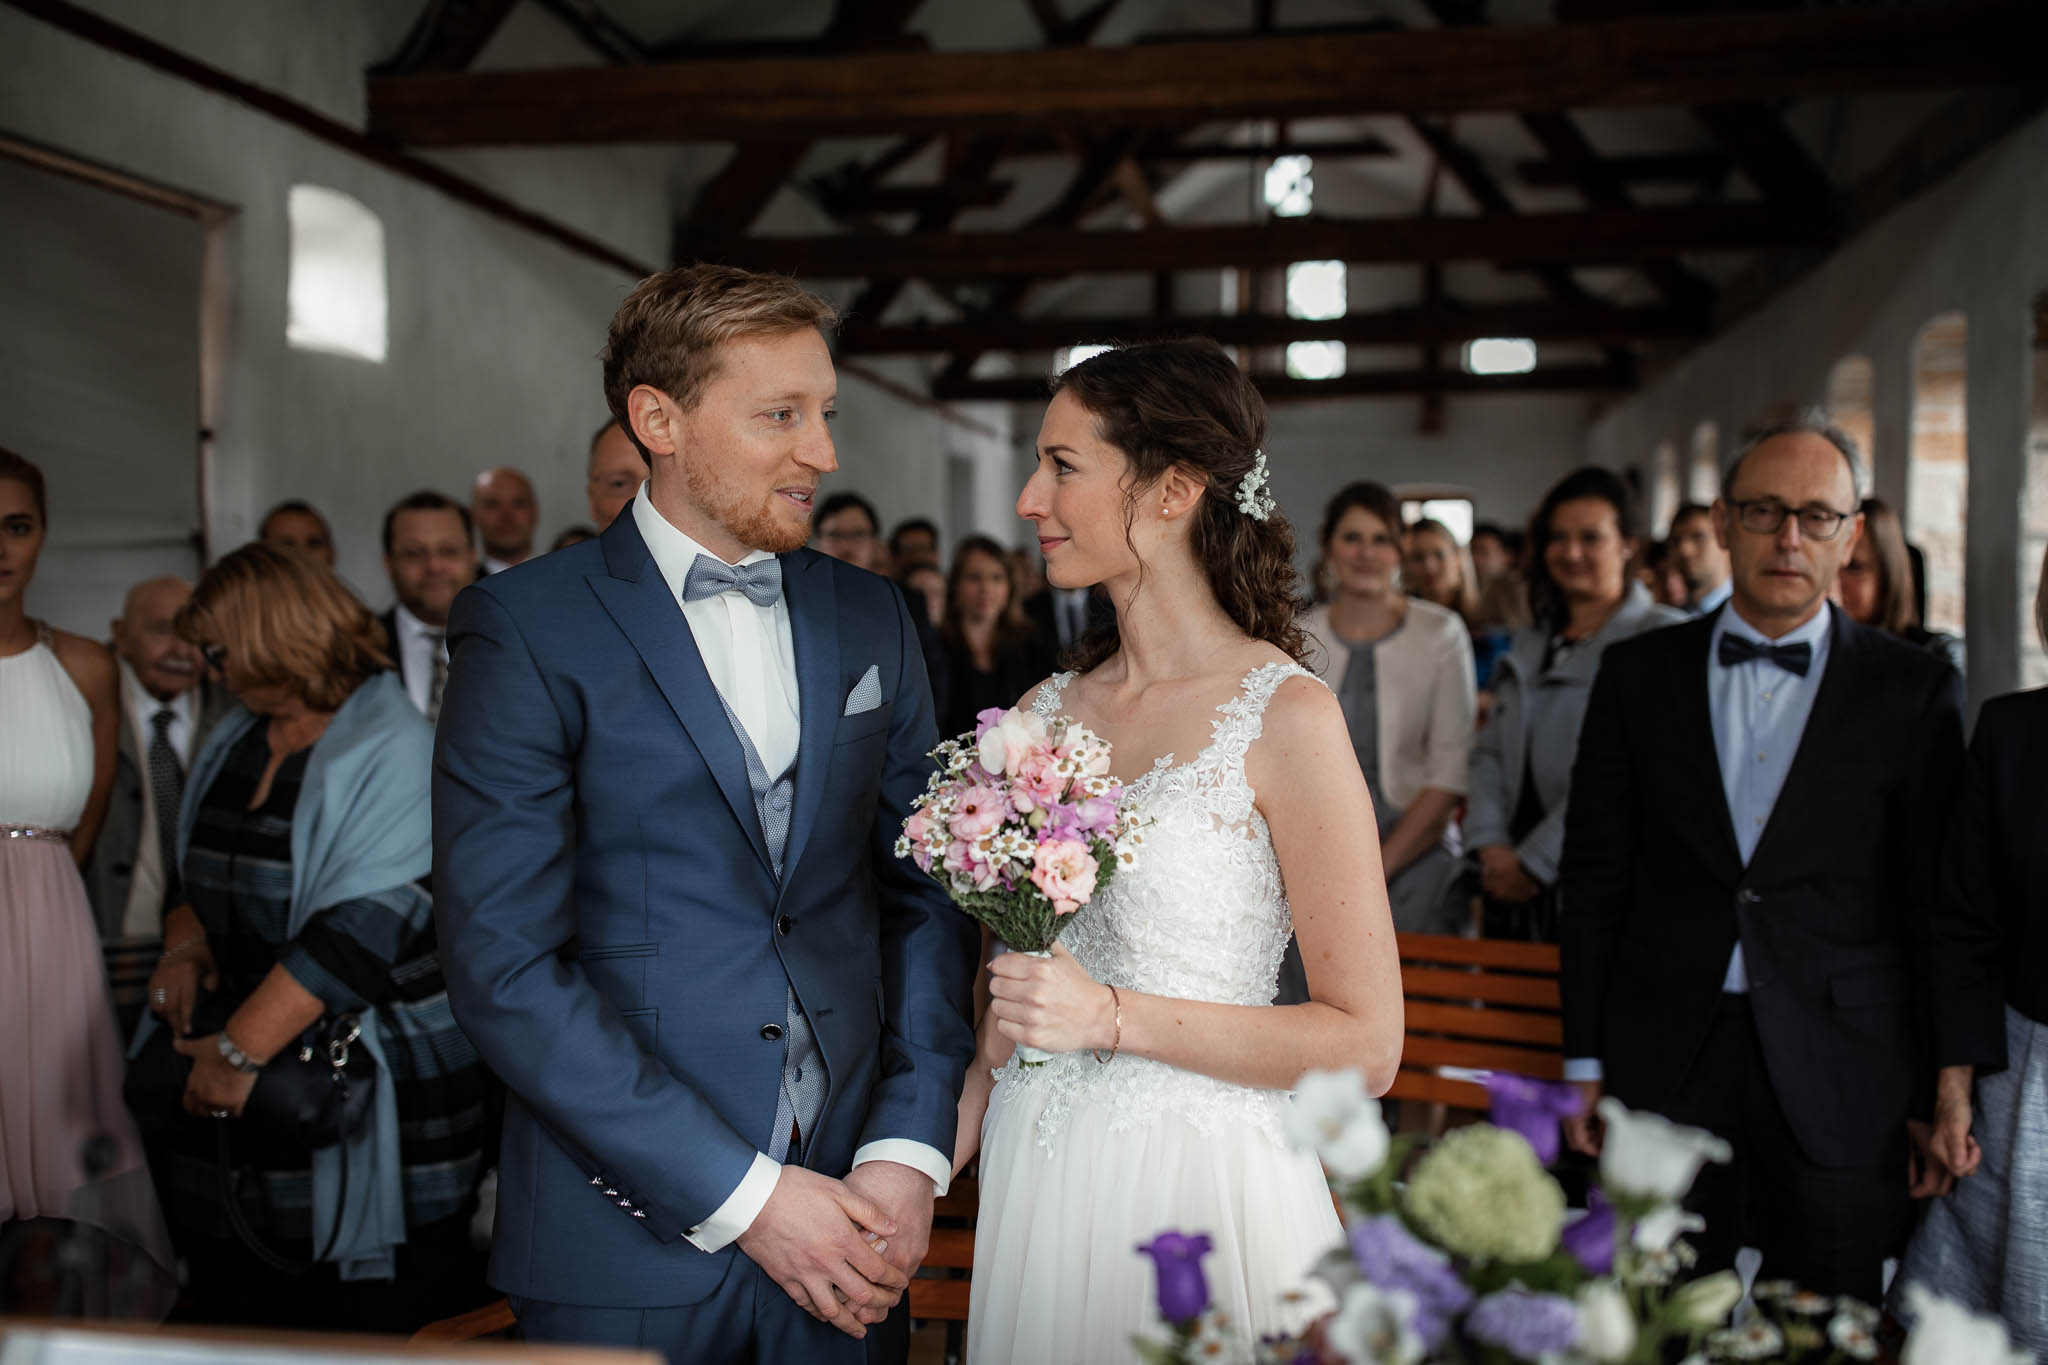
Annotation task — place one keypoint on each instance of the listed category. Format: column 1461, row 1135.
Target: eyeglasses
column 1763, row 517
column 216, row 656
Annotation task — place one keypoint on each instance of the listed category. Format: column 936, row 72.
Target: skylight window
column 1290, row 186
column 1500, row 355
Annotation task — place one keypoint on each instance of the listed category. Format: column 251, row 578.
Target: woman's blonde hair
column 287, row 622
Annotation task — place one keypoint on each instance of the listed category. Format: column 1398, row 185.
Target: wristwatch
column 235, row 1057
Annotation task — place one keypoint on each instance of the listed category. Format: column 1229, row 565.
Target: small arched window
column 335, row 299
column 1663, row 486
column 1938, row 468
column 1850, row 408
column 1703, row 480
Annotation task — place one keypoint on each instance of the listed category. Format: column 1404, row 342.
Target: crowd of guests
column 241, row 776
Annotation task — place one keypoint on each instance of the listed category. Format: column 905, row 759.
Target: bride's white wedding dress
column 1081, row 1161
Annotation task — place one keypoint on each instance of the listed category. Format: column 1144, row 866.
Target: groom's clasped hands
column 843, row 1250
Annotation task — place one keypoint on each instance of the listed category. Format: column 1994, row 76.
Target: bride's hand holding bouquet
column 1023, row 826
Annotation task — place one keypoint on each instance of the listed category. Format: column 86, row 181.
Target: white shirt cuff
column 1583, row 1069
column 730, row 1220
column 919, row 1156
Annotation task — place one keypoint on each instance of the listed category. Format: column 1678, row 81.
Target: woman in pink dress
column 80, row 1231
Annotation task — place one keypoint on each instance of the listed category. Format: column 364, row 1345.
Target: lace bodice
column 1201, row 915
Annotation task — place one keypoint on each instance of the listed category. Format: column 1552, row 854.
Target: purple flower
column 1177, row 1261
column 1389, row 1256
column 1525, row 1325
column 1590, row 1237
column 985, row 721
column 1532, row 1108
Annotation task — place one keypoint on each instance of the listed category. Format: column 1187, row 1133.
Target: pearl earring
column 1166, row 511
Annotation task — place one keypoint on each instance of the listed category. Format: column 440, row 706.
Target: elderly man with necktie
column 1748, row 880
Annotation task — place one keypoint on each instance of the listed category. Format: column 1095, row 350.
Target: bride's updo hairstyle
column 1185, row 403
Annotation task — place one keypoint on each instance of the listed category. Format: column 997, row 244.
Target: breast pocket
column 862, row 726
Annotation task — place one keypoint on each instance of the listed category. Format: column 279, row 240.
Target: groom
column 671, row 766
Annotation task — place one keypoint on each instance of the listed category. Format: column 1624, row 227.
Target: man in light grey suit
column 671, row 766
column 166, row 711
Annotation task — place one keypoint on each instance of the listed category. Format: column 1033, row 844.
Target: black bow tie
column 1736, row 649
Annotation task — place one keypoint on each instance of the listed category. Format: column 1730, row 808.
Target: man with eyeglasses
column 1748, row 879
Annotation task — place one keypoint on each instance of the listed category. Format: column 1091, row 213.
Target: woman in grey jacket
column 1582, row 599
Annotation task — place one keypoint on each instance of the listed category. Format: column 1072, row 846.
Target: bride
column 1162, row 1110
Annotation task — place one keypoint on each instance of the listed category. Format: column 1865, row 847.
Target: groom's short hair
column 668, row 331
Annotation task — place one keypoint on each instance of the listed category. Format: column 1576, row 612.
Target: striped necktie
column 166, row 789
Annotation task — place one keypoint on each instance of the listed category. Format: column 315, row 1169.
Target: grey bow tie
column 761, row 581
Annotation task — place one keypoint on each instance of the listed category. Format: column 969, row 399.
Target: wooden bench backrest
column 1476, row 1003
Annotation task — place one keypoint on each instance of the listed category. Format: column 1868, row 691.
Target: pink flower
column 1095, row 814
column 979, row 811
column 918, row 827
column 1036, row 781
column 1006, row 743
column 962, row 862
column 1064, row 870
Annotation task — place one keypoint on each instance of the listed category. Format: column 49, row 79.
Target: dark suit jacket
column 1832, row 910
column 614, row 936
column 1990, row 945
column 110, row 871
column 1039, row 609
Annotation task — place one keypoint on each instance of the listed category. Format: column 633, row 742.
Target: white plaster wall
column 493, row 332
column 1977, row 242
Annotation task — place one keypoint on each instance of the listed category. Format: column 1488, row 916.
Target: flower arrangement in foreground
column 1023, row 825
column 1475, row 1258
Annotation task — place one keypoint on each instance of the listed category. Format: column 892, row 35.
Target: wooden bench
column 1476, row 1004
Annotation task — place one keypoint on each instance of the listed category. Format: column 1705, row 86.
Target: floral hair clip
column 1252, row 498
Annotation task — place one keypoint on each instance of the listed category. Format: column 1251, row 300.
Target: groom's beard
column 755, row 519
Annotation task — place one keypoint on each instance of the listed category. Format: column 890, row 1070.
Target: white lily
column 1946, row 1333
column 1333, row 1116
column 1607, row 1327
column 1659, row 1228
column 1374, row 1326
column 1650, row 1157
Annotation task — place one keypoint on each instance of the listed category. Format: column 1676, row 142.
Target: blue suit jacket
column 615, row 941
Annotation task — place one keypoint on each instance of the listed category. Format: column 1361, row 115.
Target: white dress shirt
column 1714, row 597
column 416, row 656
column 142, row 917
column 1759, row 713
column 751, row 657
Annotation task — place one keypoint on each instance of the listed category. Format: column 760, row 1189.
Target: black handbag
column 315, row 1092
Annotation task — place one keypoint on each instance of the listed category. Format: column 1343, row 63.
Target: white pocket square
column 866, row 694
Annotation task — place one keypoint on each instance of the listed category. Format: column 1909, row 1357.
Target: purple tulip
column 1390, row 1257
column 1590, row 1237
column 1177, row 1260
column 1527, row 1326
column 1532, row 1108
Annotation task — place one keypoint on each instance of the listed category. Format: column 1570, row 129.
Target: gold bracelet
column 1117, row 1040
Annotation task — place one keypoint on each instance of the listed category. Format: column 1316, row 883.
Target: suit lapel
column 814, row 630
column 1695, row 700
column 638, row 599
column 1827, row 727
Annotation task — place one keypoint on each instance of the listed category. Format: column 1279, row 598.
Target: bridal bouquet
column 1023, row 825
column 1472, row 1257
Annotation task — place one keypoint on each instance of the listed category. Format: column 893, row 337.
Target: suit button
column 772, row 1032
column 782, row 925
column 1747, row 896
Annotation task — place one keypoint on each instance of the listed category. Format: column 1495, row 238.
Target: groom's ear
column 657, row 421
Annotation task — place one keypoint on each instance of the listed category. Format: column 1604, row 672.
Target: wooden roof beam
column 1604, row 236
column 1630, row 62
column 1450, row 325
column 1357, row 384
